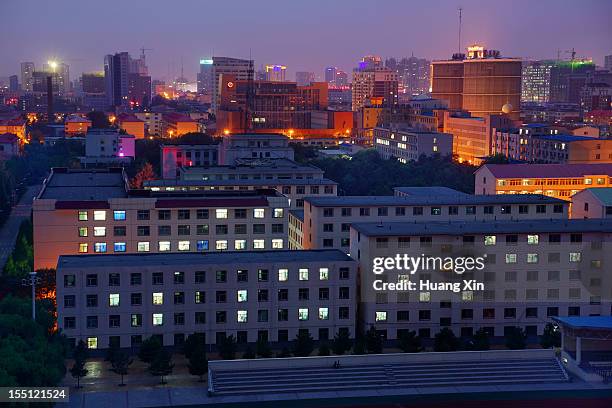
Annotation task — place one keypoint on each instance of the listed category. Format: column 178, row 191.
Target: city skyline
column 275, row 33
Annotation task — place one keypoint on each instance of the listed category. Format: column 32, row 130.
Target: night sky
column 305, row 35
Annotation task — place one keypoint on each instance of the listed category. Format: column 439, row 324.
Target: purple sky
column 305, row 35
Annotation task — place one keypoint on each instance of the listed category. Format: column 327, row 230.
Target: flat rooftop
column 586, row 322
column 253, row 166
column 250, row 182
column 65, row 184
column 547, row 170
column 373, row 229
column 430, row 190
column 210, row 258
column 443, row 199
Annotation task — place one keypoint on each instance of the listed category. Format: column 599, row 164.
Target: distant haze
column 305, row 35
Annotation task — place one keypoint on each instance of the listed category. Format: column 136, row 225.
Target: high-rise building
column 608, row 62
column 62, row 71
column 27, row 69
column 13, row 83
column 276, row 73
column 92, row 82
column 205, row 76
column 116, row 72
column 413, row 74
column 240, row 69
column 341, row 78
column 330, row 74
column 481, row 83
column 555, row 81
column 139, row 90
column 374, row 86
column 535, row 82
column 369, row 62
column 304, row 78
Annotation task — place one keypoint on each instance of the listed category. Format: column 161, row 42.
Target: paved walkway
column 10, row 229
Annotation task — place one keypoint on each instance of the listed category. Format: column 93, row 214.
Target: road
column 10, row 229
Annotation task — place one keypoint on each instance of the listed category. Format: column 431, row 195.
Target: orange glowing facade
column 76, row 125
column 132, row 125
column 176, row 124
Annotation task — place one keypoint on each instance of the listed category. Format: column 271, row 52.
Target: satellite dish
column 507, row 108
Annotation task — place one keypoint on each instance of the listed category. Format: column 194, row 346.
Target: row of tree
column 21, row 261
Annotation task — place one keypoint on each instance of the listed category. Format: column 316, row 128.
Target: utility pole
column 32, row 280
column 460, row 15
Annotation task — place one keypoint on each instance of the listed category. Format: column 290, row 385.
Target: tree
column 342, row 342
column 551, row 336
column 324, row 349
column 145, row 173
column 479, row 341
column 227, row 348
column 149, row 348
column 112, row 352
column 445, row 340
column 360, row 346
column 193, row 342
column 497, row 158
column 249, row 354
column 373, row 341
column 410, row 342
column 120, row 364
column 284, row 353
column 303, row 344
column 99, row 120
column 78, row 369
column 516, row 339
column 262, row 348
column 198, row 362
column 161, row 366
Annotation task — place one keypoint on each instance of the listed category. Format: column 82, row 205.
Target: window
column 488, row 209
column 328, row 212
column 532, row 258
column 183, row 245
column 364, row 212
column 119, row 246
column 83, row 247
column 278, row 213
column 119, row 215
column 200, row 317
column 136, row 320
column 262, row 295
column 163, row 246
column 163, row 215
column 202, row 229
column 184, row 230
column 490, row 240
column 69, row 322
column 183, row 214
column 92, row 322
column 221, row 213
column 82, row 231
column 221, row 276
column 142, row 215
column 158, row 298
column 277, row 243
column 91, row 279
column 92, row 343
column 540, row 209
column 202, row 245
column 82, row 215
column 533, row 239
column 436, row 211
column 510, row 258
column 135, row 278
column 99, row 215
column 242, row 316
column 242, row 295
column 158, row 319
column 324, row 274
column 119, row 231
column 69, row 301
column 343, row 292
column 283, row 275
column 259, row 244
column 303, row 274
column 100, row 247
column 136, row 299
column 303, row 314
column 506, row 209
column 114, row 321
column 574, row 256
column 113, row 299
column 221, row 317
column 283, row 295
column 262, row 315
column 221, row 245
column 143, row 247
column 344, row 273
column 259, row 213
column 303, row 294
column 202, row 214
column 143, row 230
column 381, row 316
column 242, row 275
column 157, row 278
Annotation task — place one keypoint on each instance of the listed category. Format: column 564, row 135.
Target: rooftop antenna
column 460, row 18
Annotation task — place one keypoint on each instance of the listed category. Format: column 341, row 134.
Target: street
column 8, row 232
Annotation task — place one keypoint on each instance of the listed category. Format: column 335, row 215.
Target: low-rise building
column 269, row 296
column 94, row 212
column 131, row 125
column 175, row 156
column 175, row 124
column 108, row 146
column 527, row 272
column 239, row 147
column 405, row 144
column 9, row 146
column 296, row 229
column 16, row 126
column 76, row 125
column 327, row 220
column 554, row 180
column 152, row 121
column 592, row 203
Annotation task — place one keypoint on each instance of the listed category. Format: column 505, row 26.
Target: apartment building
column 94, row 212
column 406, row 144
column 533, row 270
column 266, row 295
column 289, row 178
column 591, row 203
column 554, row 180
column 152, row 121
column 175, row 156
column 235, row 149
column 327, row 220
column 296, row 229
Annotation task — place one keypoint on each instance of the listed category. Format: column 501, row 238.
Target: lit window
column 259, row 213
column 158, row 298
column 158, row 319
column 259, row 244
column 82, row 231
column 242, row 316
column 303, row 314
column 283, row 275
column 277, row 243
column 381, row 316
column 119, row 215
column 533, row 239
column 221, row 245
column 113, row 299
column 323, row 274
column 242, row 296
column 574, row 256
column 424, row 296
column 99, row 215
column 490, row 239
column 510, row 258
column 143, row 247
column 83, row 247
column 119, row 247
column 82, row 215
column 532, row 258
column 99, row 231
column 303, row 274
column 221, row 213
column 92, row 343
column 323, row 313
column 278, row 213
column 183, row 245
column 164, row 246
column 202, row 245
column 100, row 247
column 240, row 244
column 467, row 296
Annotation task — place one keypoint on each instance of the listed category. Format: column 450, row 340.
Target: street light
column 32, row 280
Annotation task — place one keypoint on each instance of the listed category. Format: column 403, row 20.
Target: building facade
column 407, row 144
column 173, row 157
column 375, row 85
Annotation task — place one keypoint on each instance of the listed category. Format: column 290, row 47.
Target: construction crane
column 142, row 52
